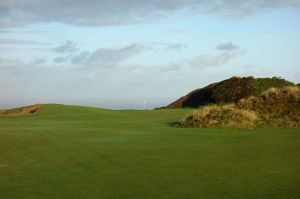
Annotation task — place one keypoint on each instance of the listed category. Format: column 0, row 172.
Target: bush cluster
column 221, row 116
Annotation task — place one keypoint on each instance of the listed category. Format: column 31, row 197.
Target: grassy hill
column 76, row 152
column 228, row 91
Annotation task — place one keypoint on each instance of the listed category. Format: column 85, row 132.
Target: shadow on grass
column 174, row 124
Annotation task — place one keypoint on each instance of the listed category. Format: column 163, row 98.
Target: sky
column 119, row 53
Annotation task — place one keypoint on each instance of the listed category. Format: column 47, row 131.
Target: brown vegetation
column 21, row 111
column 276, row 107
column 221, row 116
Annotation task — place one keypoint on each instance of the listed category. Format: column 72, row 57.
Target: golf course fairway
column 72, row 152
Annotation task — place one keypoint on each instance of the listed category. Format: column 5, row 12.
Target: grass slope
column 73, row 152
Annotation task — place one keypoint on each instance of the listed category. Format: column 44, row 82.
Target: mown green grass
column 67, row 152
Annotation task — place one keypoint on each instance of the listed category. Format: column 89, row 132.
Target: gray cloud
column 172, row 67
column 227, row 46
column 67, row 47
column 229, row 51
column 41, row 60
column 107, row 56
column 104, row 12
column 12, row 66
column 169, row 46
column 61, row 59
column 207, row 60
column 82, row 58
column 176, row 46
column 15, row 67
column 203, row 61
column 8, row 41
column 176, row 30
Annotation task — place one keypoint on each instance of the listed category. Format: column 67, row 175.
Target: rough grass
column 21, row 111
column 68, row 152
column 260, row 85
column 276, row 107
column 221, row 116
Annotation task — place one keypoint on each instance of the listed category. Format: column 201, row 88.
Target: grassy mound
column 276, row 107
column 229, row 91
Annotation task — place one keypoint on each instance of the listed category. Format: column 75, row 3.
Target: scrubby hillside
column 276, row 107
column 228, row 91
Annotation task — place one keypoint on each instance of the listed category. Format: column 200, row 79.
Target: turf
column 68, row 152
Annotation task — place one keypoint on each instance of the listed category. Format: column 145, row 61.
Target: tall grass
column 276, row 107
column 221, row 116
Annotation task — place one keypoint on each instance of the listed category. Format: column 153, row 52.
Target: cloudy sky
column 118, row 53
